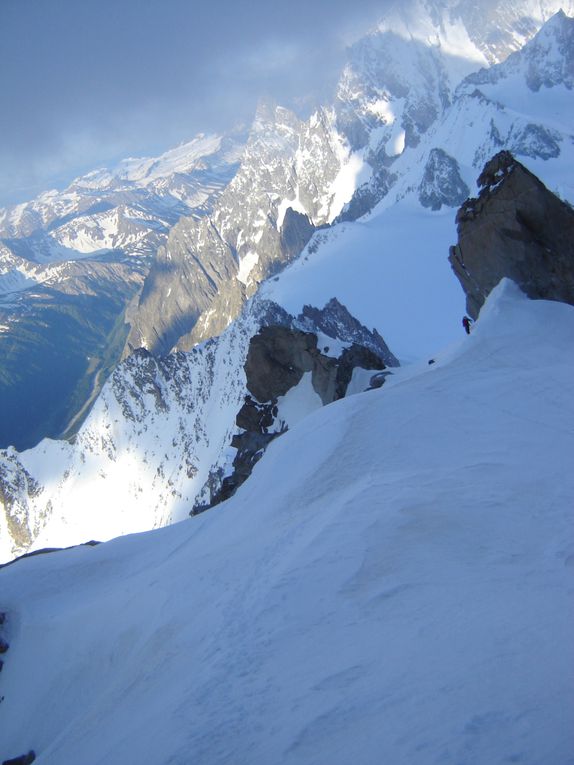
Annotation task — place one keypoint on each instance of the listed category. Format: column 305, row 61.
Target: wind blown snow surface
column 393, row 584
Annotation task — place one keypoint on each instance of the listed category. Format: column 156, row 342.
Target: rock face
column 207, row 268
column 278, row 357
column 518, row 229
column 441, row 183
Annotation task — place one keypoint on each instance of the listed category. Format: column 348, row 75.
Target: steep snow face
column 390, row 270
column 392, row 584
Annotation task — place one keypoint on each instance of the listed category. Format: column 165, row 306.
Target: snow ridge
column 404, row 598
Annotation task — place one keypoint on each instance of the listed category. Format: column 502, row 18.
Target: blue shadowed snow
column 393, row 584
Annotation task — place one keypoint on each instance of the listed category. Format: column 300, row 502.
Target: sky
column 85, row 83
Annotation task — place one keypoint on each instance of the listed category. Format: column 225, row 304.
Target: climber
column 466, row 322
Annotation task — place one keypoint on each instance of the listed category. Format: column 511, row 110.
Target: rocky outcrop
column 295, row 232
column 334, row 320
column 516, row 228
column 278, row 357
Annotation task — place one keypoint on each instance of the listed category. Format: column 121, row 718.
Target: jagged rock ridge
column 159, row 438
column 278, row 357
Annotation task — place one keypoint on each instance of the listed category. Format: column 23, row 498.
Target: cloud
column 85, row 83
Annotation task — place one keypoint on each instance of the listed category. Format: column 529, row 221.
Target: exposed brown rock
column 277, row 359
column 516, row 228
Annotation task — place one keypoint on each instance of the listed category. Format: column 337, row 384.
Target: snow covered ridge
column 402, row 594
column 196, row 155
column 158, row 440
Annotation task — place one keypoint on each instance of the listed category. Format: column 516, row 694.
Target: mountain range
column 297, row 189
column 162, row 252
column 262, row 331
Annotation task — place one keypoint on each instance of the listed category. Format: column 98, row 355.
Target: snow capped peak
column 550, row 54
column 182, row 159
column 144, row 170
column 273, row 125
column 484, row 32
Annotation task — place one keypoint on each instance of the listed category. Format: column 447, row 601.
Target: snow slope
column 390, row 270
column 393, row 584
